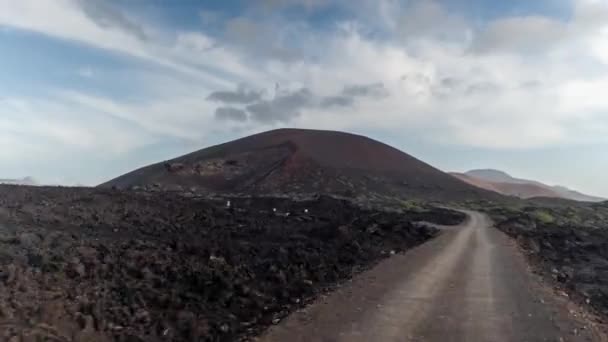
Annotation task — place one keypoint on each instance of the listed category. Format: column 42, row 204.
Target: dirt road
column 469, row 284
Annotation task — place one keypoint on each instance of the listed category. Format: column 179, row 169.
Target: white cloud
column 424, row 19
column 307, row 4
column 517, row 82
column 543, row 35
column 532, row 33
column 65, row 19
column 47, row 129
column 182, row 116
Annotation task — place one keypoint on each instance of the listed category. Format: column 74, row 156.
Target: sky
column 90, row 89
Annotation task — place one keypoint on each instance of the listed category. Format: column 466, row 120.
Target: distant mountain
column 575, row 195
column 490, row 175
column 24, row 181
column 478, row 182
column 302, row 161
column 503, row 183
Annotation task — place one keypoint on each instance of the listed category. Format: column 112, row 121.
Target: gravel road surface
column 469, row 284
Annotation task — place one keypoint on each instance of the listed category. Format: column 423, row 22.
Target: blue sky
column 90, row 89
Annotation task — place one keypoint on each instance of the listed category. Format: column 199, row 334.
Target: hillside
column 503, row 183
column 480, row 183
column 302, row 161
column 23, row 181
column 522, row 190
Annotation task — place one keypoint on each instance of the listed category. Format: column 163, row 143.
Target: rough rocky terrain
column 80, row 264
column 469, row 284
column 567, row 244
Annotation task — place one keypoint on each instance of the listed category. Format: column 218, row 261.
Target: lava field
column 83, row 264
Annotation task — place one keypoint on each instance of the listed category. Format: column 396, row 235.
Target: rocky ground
column 81, row 264
column 567, row 243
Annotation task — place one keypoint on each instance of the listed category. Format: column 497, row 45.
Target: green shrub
column 412, row 205
column 543, row 216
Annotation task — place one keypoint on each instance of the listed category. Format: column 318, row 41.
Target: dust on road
column 469, row 284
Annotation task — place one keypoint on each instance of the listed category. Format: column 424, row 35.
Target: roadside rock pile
column 574, row 256
column 106, row 265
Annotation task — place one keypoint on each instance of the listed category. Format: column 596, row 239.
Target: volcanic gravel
column 573, row 256
column 79, row 264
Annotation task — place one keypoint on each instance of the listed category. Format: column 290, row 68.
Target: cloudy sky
column 90, row 89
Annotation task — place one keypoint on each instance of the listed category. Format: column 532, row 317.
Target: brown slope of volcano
column 297, row 160
column 521, row 190
column 525, row 190
column 478, row 182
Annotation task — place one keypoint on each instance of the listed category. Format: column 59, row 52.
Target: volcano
column 302, row 161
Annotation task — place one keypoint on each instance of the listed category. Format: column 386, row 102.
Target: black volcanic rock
column 82, row 264
column 302, row 161
column 568, row 245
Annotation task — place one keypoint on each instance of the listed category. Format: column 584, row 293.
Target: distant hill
column 503, row 183
column 302, row 161
column 23, row 181
column 490, row 175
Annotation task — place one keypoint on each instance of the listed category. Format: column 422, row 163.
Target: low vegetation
column 412, row 205
column 542, row 216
